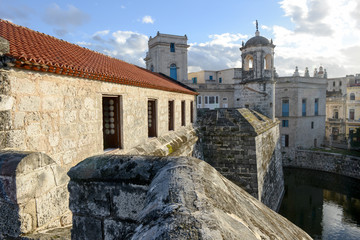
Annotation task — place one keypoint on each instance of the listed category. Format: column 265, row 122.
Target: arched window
column 152, row 68
column 249, row 62
column 173, row 71
column 352, row 96
column 267, row 62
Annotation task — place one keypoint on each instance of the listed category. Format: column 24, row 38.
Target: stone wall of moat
column 243, row 145
column 323, row 161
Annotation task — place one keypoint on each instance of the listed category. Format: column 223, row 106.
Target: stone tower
column 168, row 55
column 256, row 89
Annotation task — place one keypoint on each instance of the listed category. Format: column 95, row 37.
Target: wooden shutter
column 171, row 115
column 111, row 122
column 152, row 118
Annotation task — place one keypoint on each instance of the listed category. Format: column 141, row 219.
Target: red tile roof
column 41, row 52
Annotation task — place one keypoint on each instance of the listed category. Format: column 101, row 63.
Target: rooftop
column 36, row 51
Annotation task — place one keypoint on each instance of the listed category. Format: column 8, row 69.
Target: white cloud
column 220, row 52
column 147, row 19
column 101, row 33
column 83, row 43
column 125, row 45
column 325, row 32
column 63, row 19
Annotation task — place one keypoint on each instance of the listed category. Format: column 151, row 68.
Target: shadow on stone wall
column 33, row 193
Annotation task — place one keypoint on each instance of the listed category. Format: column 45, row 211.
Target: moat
column 325, row 205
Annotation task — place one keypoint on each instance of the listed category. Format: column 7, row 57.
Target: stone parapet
column 322, row 161
column 142, row 197
column 33, row 194
column 176, row 143
column 243, row 145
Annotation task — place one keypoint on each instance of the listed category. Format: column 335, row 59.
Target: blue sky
column 306, row 33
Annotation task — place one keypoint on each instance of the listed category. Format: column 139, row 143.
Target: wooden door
column 152, row 118
column 111, row 122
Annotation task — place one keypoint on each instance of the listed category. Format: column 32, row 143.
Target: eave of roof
column 36, row 51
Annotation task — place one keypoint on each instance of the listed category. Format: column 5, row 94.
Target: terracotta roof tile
column 33, row 48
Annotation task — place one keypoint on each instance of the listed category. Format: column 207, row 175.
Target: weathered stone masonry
column 62, row 116
column 142, row 197
column 33, row 193
column 321, row 161
column 243, row 145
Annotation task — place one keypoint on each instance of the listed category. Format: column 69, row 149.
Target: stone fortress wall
column 243, row 145
column 142, row 197
column 322, row 161
column 62, row 117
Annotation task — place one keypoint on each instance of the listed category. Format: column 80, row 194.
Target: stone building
column 216, row 88
column 70, row 103
column 300, row 107
column 342, row 108
column 168, row 54
column 251, row 86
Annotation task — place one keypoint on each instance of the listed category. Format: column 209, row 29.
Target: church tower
column 256, row 89
column 257, row 57
column 168, row 55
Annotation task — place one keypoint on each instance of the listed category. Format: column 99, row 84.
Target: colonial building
column 71, row 103
column 252, row 86
column 342, row 108
column 62, row 103
column 216, row 88
column 300, row 107
column 168, row 54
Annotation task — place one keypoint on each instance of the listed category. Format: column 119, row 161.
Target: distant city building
column 168, row 55
column 216, row 88
column 299, row 102
column 300, row 107
column 342, row 108
column 251, row 87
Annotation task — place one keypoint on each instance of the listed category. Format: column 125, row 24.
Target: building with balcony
column 342, row 108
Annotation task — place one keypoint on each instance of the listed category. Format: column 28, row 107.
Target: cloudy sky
column 307, row 33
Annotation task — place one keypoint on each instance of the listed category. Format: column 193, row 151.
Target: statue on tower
column 257, row 25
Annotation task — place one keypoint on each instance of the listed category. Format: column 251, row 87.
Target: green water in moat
column 326, row 206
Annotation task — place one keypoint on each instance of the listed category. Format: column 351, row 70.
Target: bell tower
column 256, row 89
column 257, row 57
column 167, row 54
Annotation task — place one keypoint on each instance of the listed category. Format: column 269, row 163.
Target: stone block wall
column 269, row 168
column 179, row 143
column 142, row 197
column 229, row 147
column 257, row 95
column 243, row 145
column 62, row 116
column 322, row 161
column 33, row 194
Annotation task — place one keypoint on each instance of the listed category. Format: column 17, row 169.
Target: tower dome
column 257, row 41
column 257, row 57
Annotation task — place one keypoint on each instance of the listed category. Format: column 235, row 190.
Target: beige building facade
column 252, row 86
column 65, row 116
column 342, row 108
column 70, row 114
column 168, row 55
column 300, row 107
column 216, row 88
